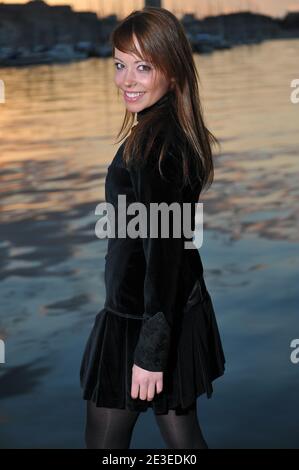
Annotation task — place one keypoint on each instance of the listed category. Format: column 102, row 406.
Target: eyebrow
column 136, row 61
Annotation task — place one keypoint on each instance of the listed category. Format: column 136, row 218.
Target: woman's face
column 135, row 76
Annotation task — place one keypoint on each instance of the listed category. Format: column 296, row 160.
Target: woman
column 156, row 342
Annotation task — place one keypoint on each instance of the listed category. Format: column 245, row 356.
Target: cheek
column 117, row 79
column 157, row 82
column 147, row 80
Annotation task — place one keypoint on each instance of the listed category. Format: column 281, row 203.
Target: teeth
column 133, row 95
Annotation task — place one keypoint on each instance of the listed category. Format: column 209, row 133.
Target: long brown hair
column 164, row 44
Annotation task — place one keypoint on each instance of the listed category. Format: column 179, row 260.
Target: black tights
column 111, row 428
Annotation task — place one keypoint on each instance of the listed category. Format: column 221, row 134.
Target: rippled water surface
column 58, row 135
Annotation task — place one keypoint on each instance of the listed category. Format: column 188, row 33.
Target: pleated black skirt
column 196, row 359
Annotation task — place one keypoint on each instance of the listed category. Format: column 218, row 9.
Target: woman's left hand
column 145, row 383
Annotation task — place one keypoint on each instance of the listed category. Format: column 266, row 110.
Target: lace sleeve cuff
column 151, row 352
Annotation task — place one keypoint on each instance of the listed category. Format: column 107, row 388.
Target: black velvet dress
column 158, row 313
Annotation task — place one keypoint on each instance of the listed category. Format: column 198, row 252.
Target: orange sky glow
column 202, row 8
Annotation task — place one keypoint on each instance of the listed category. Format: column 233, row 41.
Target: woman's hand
column 145, row 383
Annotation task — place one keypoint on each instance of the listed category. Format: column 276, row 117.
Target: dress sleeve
column 163, row 255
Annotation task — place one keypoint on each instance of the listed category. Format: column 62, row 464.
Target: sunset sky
column 200, row 7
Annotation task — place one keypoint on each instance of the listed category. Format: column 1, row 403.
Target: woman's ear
column 172, row 83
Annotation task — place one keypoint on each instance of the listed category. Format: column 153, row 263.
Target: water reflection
column 57, row 130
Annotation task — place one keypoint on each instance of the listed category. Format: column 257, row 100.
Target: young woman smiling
column 156, row 341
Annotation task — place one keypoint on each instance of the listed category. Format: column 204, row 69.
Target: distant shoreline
column 37, row 33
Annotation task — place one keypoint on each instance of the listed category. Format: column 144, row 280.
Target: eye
column 116, row 64
column 146, row 68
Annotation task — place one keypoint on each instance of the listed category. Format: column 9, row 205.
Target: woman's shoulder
column 163, row 154
column 164, row 160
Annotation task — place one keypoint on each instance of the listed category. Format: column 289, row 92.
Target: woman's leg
column 181, row 431
column 108, row 428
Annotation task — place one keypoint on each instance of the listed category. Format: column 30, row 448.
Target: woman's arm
column 163, row 262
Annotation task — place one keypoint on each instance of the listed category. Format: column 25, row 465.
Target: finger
column 134, row 388
column 143, row 390
column 159, row 386
column 151, row 390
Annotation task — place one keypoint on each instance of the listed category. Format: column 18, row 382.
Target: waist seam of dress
column 122, row 314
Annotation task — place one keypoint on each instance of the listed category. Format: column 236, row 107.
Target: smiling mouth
column 132, row 94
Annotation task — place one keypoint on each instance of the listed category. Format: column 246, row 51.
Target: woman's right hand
column 145, row 383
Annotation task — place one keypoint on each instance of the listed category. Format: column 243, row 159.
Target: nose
column 129, row 79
